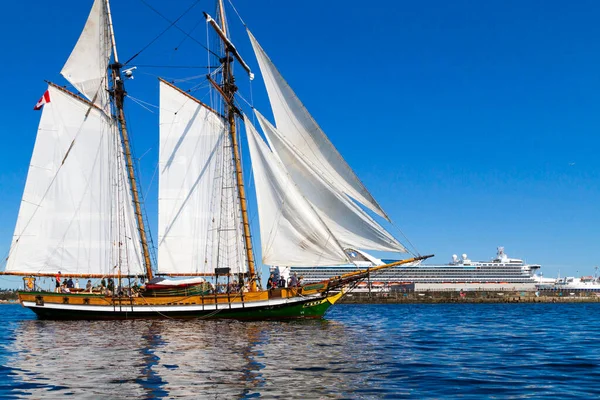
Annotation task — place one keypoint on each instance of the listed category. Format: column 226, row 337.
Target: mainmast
column 118, row 93
column 228, row 89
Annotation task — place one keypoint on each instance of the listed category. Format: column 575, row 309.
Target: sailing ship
column 81, row 214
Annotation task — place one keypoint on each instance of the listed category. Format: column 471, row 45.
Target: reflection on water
column 418, row 351
column 171, row 358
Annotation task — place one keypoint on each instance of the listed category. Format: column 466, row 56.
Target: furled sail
column 300, row 129
column 76, row 214
column 291, row 232
column 199, row 222
column 346, row 220
column 88, row 62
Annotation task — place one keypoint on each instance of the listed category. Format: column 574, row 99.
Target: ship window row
column 446, row 280
column 422, row 273
column 437, row 275
column 414, row 270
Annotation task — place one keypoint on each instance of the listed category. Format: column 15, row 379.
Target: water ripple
column 471, row 351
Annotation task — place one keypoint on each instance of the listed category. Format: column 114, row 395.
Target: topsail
column 88, row 62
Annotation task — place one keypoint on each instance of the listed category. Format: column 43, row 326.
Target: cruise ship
column 499, row 273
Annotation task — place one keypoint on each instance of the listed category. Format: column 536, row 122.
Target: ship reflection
column 171, row 359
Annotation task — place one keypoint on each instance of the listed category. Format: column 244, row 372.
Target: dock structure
column 440, row 297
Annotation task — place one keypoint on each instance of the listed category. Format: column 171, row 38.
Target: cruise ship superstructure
column 500, row 273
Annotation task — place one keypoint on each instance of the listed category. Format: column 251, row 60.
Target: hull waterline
column 309, row 307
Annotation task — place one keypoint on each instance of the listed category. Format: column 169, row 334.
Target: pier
column 439, row 297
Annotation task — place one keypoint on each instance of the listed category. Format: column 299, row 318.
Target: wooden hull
column 267, row 305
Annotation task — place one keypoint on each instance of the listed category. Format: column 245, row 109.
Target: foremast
column 227, row 89
column 118, row 94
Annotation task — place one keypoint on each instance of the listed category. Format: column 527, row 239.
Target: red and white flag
column 45, row 99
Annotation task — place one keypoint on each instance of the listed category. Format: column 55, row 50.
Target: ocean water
column 359, row 351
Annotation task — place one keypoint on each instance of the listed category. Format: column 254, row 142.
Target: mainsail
column 88, row 62
column 300, row 129
column 76, row 214
column 291, row 231
column 199, row 222
column 347, row 221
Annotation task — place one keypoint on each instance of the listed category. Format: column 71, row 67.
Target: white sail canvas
column 198, row 224
column 299, row 128
column 347, row 221
column 87, row 65
column 76, row 215
column 291, row 231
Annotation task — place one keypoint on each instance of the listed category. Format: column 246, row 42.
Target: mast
column 228, row 90
column 118, row 93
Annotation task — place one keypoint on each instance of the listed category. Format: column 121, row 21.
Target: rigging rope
column 172, row 24
column 407, row 240
column 137, row 171
column 177, row 66
column 141, row 104
column 238, row 14
column 192, row 31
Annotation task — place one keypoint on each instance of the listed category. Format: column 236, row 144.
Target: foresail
column 76, row 215
column 347, row 221
column 87, row 65
column 291, row 232
column 199, row 222
column 300, row 129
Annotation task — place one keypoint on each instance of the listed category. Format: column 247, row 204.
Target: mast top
column 112, row 32
column 228, row 44
column 222, row 18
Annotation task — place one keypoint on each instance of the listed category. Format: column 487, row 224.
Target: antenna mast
column 118, row 93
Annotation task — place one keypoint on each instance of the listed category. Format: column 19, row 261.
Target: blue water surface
column 359, row 351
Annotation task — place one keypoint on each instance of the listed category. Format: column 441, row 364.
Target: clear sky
column 473, row 123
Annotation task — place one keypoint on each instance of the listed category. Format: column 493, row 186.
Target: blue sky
column 474, row 124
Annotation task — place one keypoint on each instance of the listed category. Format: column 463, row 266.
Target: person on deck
column 88, row 286
column 76, row 283
column 281, row 282
column 57, row 289
column 70, row 283
column 293, row 280
column 271, row 284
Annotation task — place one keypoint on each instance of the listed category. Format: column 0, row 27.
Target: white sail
column 199, row 227
column 300, row 129
column 76, row 215
column 291, row 232
column 88, row 62
column 347, row 221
